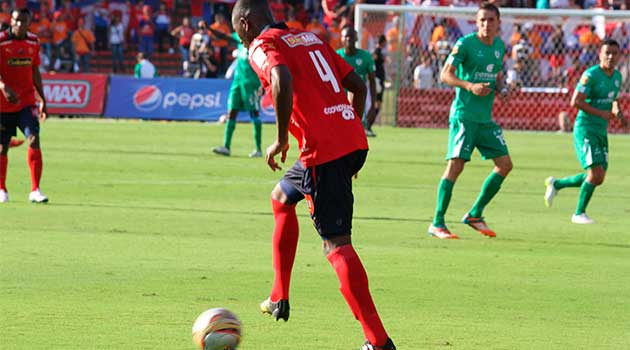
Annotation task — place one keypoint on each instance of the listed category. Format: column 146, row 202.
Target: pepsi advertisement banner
column 167, row 98
column 173, row 99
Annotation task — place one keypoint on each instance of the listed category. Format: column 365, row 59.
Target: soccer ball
column 217, row 329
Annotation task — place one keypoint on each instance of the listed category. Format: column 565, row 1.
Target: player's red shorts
column 26, row 119
column 328, row 190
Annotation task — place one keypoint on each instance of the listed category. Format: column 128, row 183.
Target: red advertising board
column 82, row 94
column 527, row 110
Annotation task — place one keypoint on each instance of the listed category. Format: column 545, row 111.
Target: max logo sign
column 67, row 93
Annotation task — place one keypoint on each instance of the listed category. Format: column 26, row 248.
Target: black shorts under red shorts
column 328, row 191
column 25, row 119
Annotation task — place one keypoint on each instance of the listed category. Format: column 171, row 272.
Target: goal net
column 546, row 53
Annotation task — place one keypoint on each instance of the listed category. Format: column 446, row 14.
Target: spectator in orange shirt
column 392, row 37
column 439, row 32
column 316, row 27
column 516, row 35
column 220, row 46
column 589, row 45
column 83, row 40
column 40, row 25
column 536, row 41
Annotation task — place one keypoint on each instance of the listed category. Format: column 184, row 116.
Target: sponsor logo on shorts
column 346, row 111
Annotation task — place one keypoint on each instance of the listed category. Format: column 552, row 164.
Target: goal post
column 546, row 52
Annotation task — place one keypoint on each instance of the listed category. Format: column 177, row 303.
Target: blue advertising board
column 172, row 99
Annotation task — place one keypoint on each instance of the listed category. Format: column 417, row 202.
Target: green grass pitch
column 146, row 229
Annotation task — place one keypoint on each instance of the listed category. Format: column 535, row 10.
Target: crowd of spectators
column 539, row 54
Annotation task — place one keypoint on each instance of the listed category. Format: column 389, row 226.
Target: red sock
column 353, row 283
column 284, row 242
column 4, row 161
column 35, row 164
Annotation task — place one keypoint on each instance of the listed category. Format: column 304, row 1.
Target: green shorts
column 465, row 135
column 591, row 148
column 244, row 97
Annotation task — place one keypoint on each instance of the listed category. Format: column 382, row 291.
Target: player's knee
column 278, row 195
column 330, row 244
column 454, row 169
column 506, row 168
column 33, row 141
column 597, row 178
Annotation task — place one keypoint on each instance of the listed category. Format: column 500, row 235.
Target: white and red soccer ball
column 217, row 329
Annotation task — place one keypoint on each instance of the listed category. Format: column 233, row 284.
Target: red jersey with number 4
column 18, row 58
column 323, row 121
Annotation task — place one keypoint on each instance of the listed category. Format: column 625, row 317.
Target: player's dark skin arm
column 578, row 101
column 358, row 92
column 282, row 94
column 8, row 93
column 37, row 82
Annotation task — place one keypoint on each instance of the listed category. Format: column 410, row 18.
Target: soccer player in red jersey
column 19, row 80
column 307, row 79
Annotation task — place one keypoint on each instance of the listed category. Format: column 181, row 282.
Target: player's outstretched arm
column 353, row 83
column 579, row 101
column 282, row 94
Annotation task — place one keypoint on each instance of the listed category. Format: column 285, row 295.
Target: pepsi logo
column 147, row 98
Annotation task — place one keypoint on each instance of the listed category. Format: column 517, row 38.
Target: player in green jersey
column 244, row 96
column 596, row 98
column 474, row 68
column 363, row 64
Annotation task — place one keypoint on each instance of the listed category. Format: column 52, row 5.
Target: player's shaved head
column 349, row 38
column 20, row 19
column 249, row 17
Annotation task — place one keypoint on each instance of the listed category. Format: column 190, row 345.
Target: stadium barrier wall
column 526, row 110
column 173, row 99
column 80, row 94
